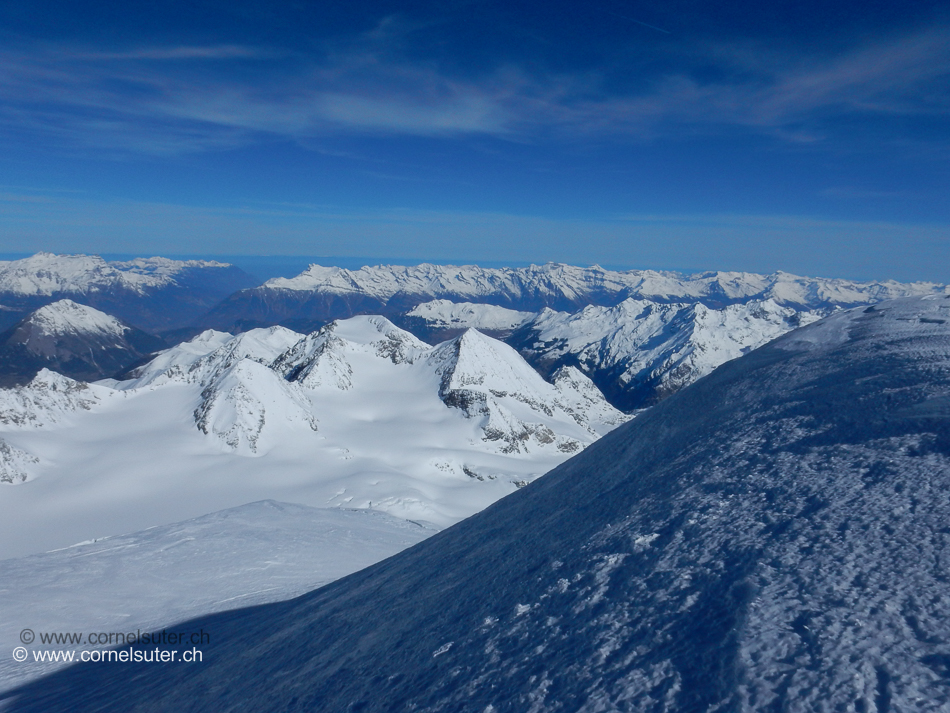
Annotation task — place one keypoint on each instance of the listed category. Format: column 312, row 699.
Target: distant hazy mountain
column 438, row 320
column 73, row 340
column 773, row 537
column 321, row 294
column 153, row 294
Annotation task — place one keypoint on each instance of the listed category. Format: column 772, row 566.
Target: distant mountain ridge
column 320, row 294
column 639, row 335
column 152, row 294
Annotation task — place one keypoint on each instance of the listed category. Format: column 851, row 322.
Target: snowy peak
column 382, row 337
column 175, row 364
column 74, row 339
column 205, row 357
column 259, row 345
column 49, row 398
column 247, row 403
column 322, row 358
column 317, row 360
column 473, row 360
column 66, row 317
column 488, row 380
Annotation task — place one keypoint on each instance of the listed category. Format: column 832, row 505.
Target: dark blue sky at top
column 808, row 137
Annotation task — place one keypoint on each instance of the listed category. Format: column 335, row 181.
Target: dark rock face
column 84, row 354
column 773, row 537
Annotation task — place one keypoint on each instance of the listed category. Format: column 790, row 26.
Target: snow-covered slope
column 321, row 294
column 65, row 317
column 73, row 339
column 773, row 537
column 15, row 465
column 149, row 293
column 48, row 401
column 145, row 581
column 249, row 407
column 359, row 414
column 638, row 352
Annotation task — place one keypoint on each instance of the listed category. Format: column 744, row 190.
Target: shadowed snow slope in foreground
column 773, row 537
column 148, row 580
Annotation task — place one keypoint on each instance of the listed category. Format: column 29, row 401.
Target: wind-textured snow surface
column 145, row 581
column 773, row 537
column 360, row 414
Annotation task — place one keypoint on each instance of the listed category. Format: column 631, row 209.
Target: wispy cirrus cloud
column 193, row 98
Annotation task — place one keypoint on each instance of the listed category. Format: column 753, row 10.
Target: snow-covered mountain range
column 150, row 293
column 321, row 294
column 772, row 537
column 639, row 352
column 74, row 340
column 638, row 334
column 357, row 414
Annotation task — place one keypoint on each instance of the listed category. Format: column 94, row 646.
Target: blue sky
column 807, row 137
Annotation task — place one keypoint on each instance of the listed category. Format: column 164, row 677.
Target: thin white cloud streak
column 174, row 99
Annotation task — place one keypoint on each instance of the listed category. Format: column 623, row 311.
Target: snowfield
column 259, row 552
column 444, row 314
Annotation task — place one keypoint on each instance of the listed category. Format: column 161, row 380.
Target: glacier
column 359, row 414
